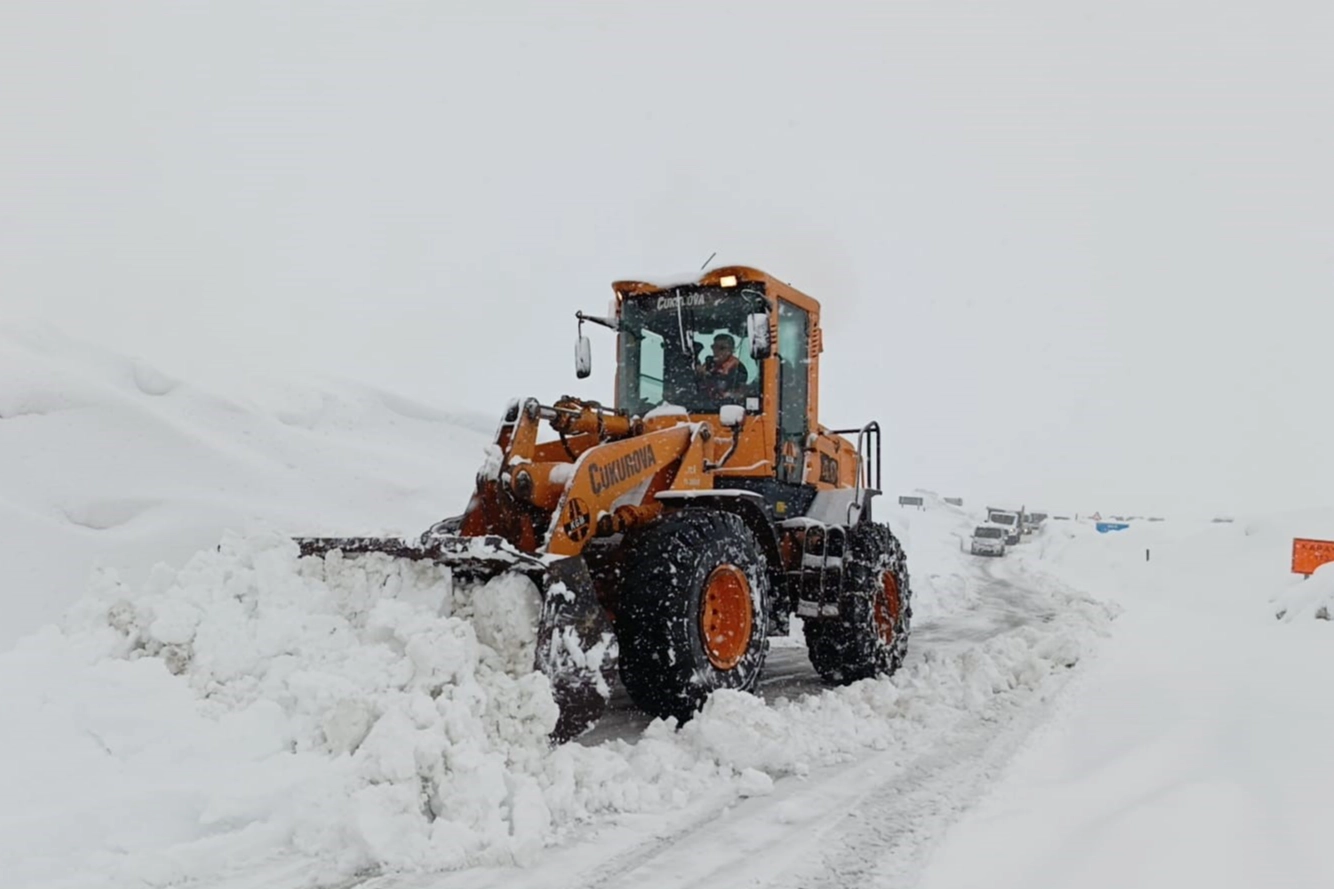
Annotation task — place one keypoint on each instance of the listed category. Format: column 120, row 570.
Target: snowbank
column 1243, row 565
column 1307, row 598
column 1199, row 739
column 365, row 716
column 349, row 711
column 106, row 461
column 935, row 540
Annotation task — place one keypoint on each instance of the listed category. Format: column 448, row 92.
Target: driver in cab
column 722, row 375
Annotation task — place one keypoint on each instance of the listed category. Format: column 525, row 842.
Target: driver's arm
column 736, row 385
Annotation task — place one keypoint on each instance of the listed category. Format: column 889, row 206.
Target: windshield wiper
column 681, row 325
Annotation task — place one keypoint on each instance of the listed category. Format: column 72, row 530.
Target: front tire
column 692, row 616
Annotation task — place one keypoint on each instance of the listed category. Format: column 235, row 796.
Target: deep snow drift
column 1308, row 598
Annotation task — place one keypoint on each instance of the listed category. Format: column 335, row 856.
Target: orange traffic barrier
column 1308, row 554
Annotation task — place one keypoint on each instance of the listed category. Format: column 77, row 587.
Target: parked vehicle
column 1012, row 519
column 989, row 540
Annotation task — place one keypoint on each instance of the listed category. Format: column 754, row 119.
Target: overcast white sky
column 1132, row 200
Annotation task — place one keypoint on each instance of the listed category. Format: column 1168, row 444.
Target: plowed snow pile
column 253, row 704
column 1307, row 598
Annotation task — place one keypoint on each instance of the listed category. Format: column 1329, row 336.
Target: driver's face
column 722, row 350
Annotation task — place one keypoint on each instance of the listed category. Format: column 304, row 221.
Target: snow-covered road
column 1196, row 751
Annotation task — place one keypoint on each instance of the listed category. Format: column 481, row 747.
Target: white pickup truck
column 989, row 540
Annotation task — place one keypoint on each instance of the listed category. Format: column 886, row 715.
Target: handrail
column 867, row 436
column 867, row 471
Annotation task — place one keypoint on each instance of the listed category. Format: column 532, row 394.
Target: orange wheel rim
column 725, row 618
column 887, row 608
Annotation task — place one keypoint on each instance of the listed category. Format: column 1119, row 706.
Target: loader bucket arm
column 613, row 485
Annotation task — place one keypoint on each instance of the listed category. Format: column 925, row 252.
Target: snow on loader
column 671, row 535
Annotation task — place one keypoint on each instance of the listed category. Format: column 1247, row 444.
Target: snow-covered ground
column 249, row 720
column 1197, row 750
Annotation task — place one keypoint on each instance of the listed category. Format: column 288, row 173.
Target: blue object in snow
column 1104, row 527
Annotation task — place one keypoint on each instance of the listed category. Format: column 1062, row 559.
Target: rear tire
column 692, row 616
column 869, row 637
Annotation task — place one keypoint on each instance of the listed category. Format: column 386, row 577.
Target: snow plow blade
column 576, row 644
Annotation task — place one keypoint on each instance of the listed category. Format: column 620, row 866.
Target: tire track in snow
column 787, row 673
column 885, row 840
column 832, row 830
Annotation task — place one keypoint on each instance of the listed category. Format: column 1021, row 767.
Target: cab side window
column 793, row 388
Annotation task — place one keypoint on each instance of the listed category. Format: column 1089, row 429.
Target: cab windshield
column 687, row 347
column 987, row 532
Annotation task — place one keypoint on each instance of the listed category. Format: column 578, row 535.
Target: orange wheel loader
column 671, row 534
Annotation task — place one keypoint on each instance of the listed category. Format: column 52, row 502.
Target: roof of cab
column 714, row 277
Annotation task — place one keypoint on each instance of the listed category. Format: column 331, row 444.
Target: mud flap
column 576, row 647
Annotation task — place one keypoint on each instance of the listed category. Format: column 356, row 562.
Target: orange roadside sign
column 1309, row 554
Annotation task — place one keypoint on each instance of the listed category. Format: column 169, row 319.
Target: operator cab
column 689, row 347
column 666, row 339
column 666, row 334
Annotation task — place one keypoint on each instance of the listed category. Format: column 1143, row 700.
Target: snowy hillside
column 107, row 461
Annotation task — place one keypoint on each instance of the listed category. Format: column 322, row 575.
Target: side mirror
column 757, row 331
column 731, row 415
column 583, row 357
